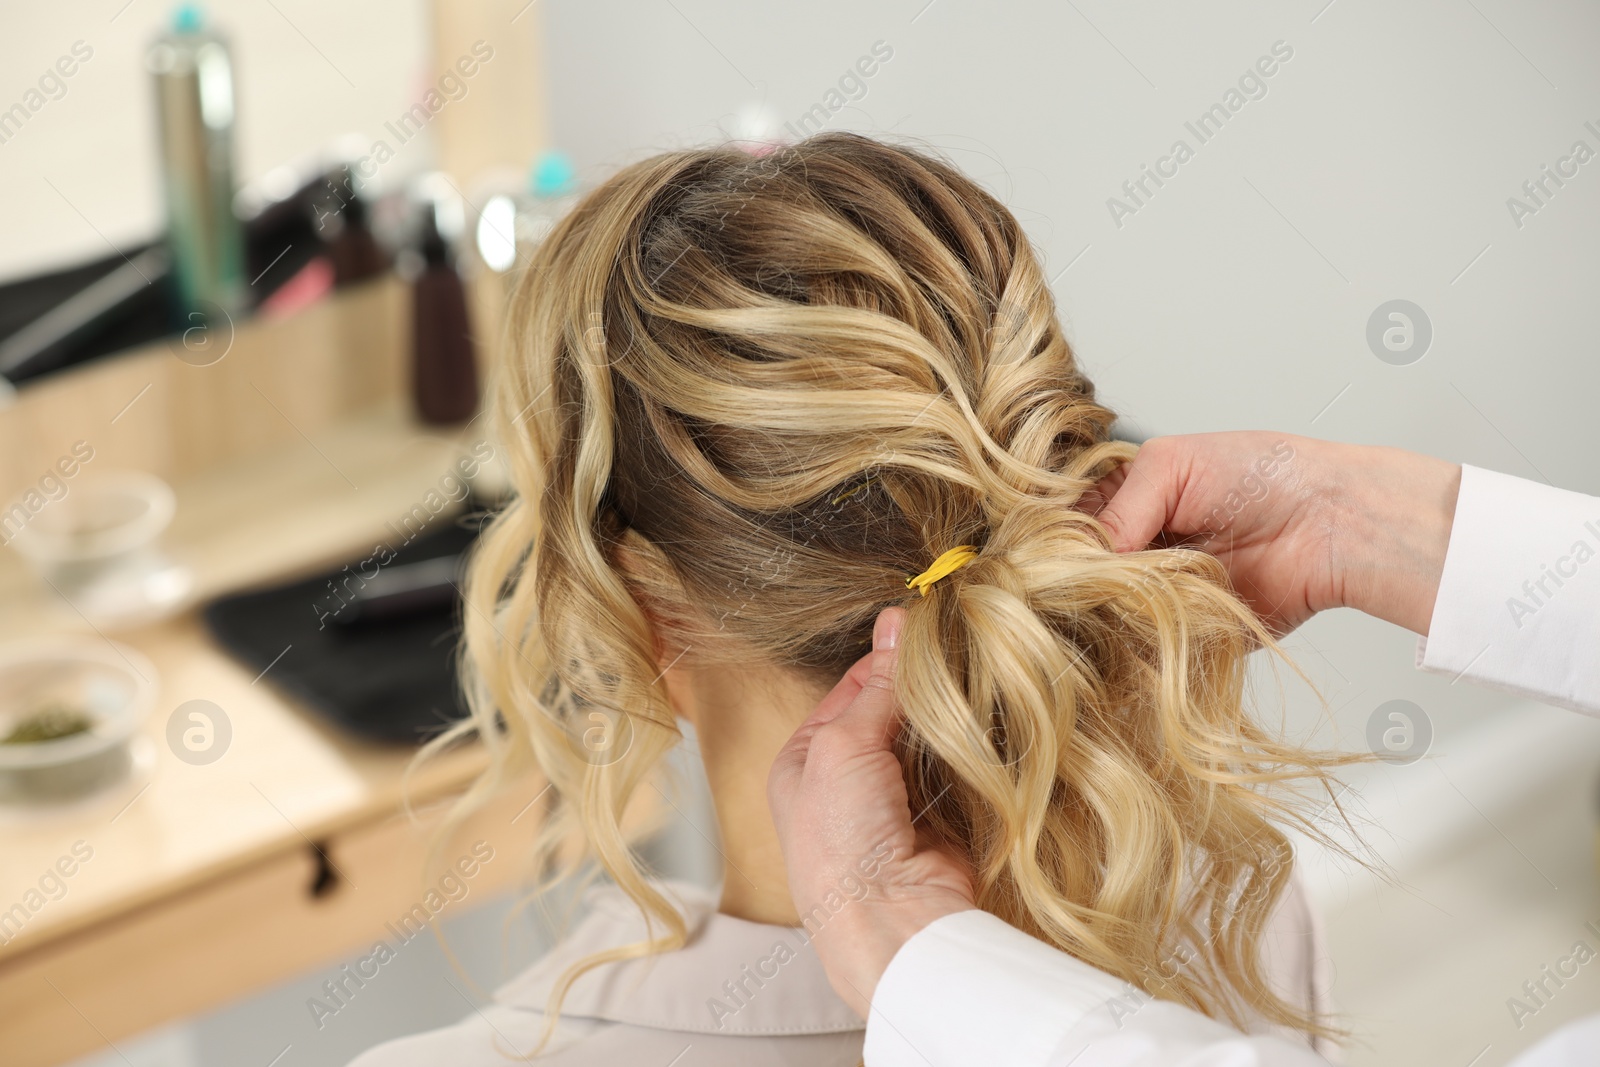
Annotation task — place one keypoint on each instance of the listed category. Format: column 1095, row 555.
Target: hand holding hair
column 1301, row 525
column 838, row 797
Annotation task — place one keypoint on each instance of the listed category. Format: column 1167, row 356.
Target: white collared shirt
column 739, row 994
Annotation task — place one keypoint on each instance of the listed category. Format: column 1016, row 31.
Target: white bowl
column 113, row 685
column 107, row 515
column 97, row 547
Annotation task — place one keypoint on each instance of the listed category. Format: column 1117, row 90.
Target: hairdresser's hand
column 859, row 880
column 1301, row 525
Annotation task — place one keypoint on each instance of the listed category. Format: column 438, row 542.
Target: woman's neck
column 742, row 717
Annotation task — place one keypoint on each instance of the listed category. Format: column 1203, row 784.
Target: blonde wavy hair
column 747, row 396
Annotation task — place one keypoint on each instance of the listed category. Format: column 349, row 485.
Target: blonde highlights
column 747, row 398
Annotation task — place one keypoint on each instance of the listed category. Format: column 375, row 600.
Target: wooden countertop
column 286, row 779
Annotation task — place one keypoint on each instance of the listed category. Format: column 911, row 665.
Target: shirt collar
column 733, row 977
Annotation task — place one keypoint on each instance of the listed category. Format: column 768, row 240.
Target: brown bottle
column 444, row 370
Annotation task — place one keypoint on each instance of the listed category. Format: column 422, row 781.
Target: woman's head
column 748, row 397
column 807, row 374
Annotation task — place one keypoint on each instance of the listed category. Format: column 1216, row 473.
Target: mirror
column 165, row 164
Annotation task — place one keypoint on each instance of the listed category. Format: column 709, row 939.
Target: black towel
column 391, row 680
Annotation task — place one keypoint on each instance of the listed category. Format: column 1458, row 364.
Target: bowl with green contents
column 68, row 710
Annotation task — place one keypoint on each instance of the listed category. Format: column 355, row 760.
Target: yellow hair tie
column 951, row 561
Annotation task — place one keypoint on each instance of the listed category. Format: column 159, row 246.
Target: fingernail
column 886, row 631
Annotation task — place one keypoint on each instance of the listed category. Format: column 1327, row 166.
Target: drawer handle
column 326, row 879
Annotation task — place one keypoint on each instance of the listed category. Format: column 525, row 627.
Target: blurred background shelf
column 1490, row 870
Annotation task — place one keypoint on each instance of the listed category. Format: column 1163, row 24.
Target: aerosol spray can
column 193, row 75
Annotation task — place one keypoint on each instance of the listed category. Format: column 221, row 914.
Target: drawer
column 227, row 937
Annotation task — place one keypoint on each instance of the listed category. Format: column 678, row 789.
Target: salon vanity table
column 290, row 445
column 294, row 848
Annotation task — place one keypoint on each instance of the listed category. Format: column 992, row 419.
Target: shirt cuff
column 1519, row 600
column 970, row 988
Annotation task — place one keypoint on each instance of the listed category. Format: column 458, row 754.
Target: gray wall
column 305, row 73
column 1377, row 166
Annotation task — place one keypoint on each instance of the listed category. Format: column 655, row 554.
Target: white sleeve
column 969, row 988
column 1519, row 600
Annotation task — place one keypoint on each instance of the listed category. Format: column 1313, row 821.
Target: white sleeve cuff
column 970, row 988
column 1519, row 600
